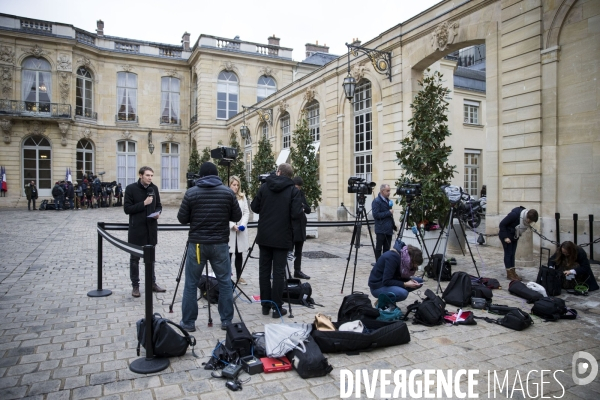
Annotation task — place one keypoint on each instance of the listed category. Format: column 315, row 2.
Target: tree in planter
column 305, row 163
column 194, row 164
column 263, row 163
column 205, row 155
column 221, row 169
column 424, row 156
column 238, row 167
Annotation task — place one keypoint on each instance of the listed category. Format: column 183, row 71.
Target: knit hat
column 208, row 168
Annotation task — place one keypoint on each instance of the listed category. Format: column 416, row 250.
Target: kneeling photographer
column 394, row 271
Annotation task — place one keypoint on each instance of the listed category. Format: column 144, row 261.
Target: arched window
column 126, row 162
column 169, row 101
column 36, row 86
column 84, row 94
column 286, row 137
column 266, row 87
column 227, row 95
column 169, row 166
column 363, row 131
column 37, row 163
column 312, row 114
column 126, row 97
column 264, row 129
column 85, row 158
column 194, row 102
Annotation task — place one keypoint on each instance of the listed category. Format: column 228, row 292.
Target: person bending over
column 571, row 259
column 511, row 228
column 394, row 271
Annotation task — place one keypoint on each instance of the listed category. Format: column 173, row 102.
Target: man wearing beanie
column 208, row 207
column 277, row 202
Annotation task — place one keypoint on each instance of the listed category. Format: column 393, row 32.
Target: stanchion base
column 99, row 293
column 145, row 366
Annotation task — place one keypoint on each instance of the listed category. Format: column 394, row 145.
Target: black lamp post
column 265, row 114
column 381, row 60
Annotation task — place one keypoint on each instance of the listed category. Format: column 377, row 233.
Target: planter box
column 430, row 239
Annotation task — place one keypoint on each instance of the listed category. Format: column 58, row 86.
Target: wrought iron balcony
column 193, row 119
column 34, row 109
column 86, row 114
column 169, row 121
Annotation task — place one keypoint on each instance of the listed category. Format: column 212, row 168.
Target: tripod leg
column 356, row 256
column 236, row 285
column 208, row 287
column 287, row 289
column 469, row 247
column 349, row 253
column 178, row 279
column 456, row 234
column 449, row 226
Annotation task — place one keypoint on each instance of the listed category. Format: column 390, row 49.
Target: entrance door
column 37, row 164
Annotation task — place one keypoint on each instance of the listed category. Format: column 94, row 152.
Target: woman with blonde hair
column 238, row 234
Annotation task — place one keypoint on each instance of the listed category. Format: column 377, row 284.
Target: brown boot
column 156, row 288
column 136, row 291
column 511, row 274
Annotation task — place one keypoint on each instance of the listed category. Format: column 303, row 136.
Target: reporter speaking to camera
column 384, row 220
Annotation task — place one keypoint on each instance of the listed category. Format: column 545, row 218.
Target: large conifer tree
column 263, row 163
column 305, row 163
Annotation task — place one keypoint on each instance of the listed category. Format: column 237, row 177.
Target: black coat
column 142, row 230
column 299, row 225
column 583, row 272
column 208, row 207
column 509, row 224
column 278, row 202
column 384, row 219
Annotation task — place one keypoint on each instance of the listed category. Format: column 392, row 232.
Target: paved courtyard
column 58, row 343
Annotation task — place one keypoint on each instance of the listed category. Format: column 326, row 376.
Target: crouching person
column 393, row 272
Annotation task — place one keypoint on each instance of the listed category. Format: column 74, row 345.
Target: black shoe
column 301, row 275
column 136, row 291
column 189, row 328
column 276, row 313
column 266, row 310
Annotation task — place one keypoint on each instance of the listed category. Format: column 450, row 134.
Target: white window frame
column 472, row 170
column 248, row 163
column 363, row 131
column 471, row 112
column 128, row 161
column 42, row 84
column 84, row 78
column 194, row 102
column 41, row 144
column 264, row 128
column 169, row 166
column 266, row 86
column 170, row 103
column 313, row 118
column 129, row 93
column 87, row 154
column 227, row 84
column 286, row 134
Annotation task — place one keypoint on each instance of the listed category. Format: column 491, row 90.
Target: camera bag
column 43, row 205
column 551, row 279
column 433, row 268
column 211, row 293
column 515, row 319
column 430, row 312
column 479, row 303
column 239, row 339
column 376, row 334
column 519, row 289
column 356, row 306
column 552, row 309
column 458, row 291
column 165, row 340
column 311, row 363
column 480, row 290
column 460, row 318
column 500, row 309
column 298, row 293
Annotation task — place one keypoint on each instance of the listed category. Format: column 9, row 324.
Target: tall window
column 264, row 128
column 194, row 102
column 84, row 106
column 85, row 158
column 37, row 163
column 266, row 87
column 248, row 157
column 363, row 131
column 312, row 114
column 227, row 95
column 169, row 101
column 170, row 166
column 36, row 86
column 472, row 172
column 126, row 96
column 126, row 162
column 471, row 109
column 286, row 137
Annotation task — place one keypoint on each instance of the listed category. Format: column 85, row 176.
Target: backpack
column 356, row 306
column 518, row 288
column 311, row 363
column 430, row 312
column 515, row 319
column 433, row 268
column 299, row 293
column 458, row 291
column 212, row 294
column 481, row 291
column 388, row 311
column 43, row 204
column 552, row 309
column 165, row 340
column 551, row 279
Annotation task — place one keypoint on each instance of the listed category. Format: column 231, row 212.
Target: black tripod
column 361, row 215
column 420, row 239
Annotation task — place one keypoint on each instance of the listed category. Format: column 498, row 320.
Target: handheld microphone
column 151, row 192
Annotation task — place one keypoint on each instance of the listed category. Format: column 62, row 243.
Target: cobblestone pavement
column 58, row 343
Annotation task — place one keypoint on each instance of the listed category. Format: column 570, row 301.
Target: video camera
column 263, row 177
column 191, row 179
column 360, row 185
column 229, row 153
column 409, row 190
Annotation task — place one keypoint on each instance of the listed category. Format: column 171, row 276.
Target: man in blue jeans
column 384, row 220
column 208, row 207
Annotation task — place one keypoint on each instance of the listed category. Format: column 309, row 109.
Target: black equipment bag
column 481, row 291
column 212, row 292
column 518, row 288
column 500, row 309
column 491, row 283
column 377, row 334
column 433, row 268
column 458, row 291
column 166, row 341
column 309, row 364
column 239, row 339
column 299, row 293
column 43, row 205
column 50, row 206
column 515, row 319
column 552, row 309
column 356, row 306
column 551, row 279
column 430, row 312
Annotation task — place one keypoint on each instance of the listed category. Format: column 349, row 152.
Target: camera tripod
column 419, row 236
column 361, row 215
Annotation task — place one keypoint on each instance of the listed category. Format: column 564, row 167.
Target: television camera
column 191, row 179
column 226, row 153
column 360, row 185
column 409, row 190
column 263, row 177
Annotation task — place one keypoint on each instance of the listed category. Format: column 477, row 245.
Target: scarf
column 523, row 226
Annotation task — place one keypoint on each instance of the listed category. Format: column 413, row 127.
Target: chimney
column 314, row 48
column 185, row 40
column 355, row 42
column 274, row 40
column 100, row 27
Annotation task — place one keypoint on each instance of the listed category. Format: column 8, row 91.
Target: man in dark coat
column 69, row 194
column 510, row 229
column 32, row 194
column 300, row 231
column 384, row 220
column 141, row 200
column 208, row 207
column 58, row 193
column 277, row 202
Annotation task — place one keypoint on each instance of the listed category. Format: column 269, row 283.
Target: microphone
column 151, row 191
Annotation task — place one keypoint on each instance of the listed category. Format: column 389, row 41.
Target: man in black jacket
column 300, row 232
column 278, row 202
column 141, row 200
column 208, row 207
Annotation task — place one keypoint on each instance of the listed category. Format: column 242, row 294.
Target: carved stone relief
column 228, row 66
column 85, row 134
column 126, row 135
column 267, row 71
column 6, row 129
column 63, row 63
column 6, row 82
column 358, row 72
column 7, row 55
column 283, row 106
column 84, row 61
column 444, row 35
column 127, row 67
column 64, row 129
column 36, row 128
column 64, row 84
column 309, row 94
column 170, row 137
column 35, row 51
column 174, row 73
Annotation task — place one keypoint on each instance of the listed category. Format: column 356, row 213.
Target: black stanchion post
column 575, row 228
column 100, row 292
column 150, row 363
column 557, row 218
column 591, row 216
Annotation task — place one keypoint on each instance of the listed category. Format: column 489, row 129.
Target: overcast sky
column 330, row 22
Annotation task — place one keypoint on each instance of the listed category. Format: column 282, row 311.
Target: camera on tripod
column 409, row 190
column 191, row 179
column 360, row 185
column 263, row 177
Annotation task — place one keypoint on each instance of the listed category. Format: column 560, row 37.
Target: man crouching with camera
column 278, row 202
column 208, row 207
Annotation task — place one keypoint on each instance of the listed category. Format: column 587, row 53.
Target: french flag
column 4, row 185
